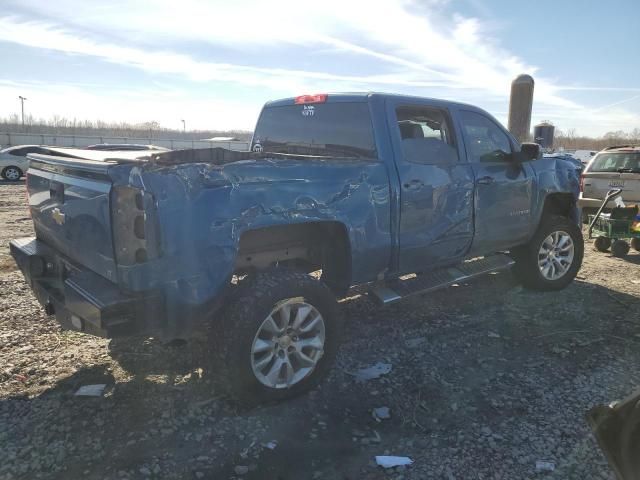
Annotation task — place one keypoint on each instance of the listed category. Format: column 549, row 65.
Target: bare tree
column 570, row 140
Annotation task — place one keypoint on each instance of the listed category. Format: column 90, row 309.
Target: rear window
column 616, row 162
column 322, row 129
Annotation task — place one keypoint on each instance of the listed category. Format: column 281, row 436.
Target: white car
column 14, row 163
column 612, row 168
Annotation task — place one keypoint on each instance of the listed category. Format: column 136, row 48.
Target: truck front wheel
column 551, row 260
column 280, row 336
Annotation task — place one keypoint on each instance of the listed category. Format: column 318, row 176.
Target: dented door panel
column 204, row 209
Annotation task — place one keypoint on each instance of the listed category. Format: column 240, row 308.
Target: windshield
column 327, row 129
column 616, row 162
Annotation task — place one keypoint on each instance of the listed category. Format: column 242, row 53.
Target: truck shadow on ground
column 163, row 403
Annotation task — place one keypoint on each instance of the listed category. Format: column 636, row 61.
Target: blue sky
column 215, row 63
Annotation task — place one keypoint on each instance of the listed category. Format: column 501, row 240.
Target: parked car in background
column 613, row 167
column 124, row 147
column 14, row 163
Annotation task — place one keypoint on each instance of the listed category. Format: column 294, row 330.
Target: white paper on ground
column 382, row 413
column 91, row 390
column 373, row 371
column 545, row 466
column 386, row 461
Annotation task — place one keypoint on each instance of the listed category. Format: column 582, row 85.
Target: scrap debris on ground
column 488, row 380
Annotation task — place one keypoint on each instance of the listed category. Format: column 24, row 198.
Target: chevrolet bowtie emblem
column 58, row 216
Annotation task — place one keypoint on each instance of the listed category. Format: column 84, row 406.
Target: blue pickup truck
column 339, row 190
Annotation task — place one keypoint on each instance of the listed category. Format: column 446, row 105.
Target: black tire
column 635, row 244
column 11, row 173
column 602, row 244
column 254, row 300
column 620, row 248
column 526, row 268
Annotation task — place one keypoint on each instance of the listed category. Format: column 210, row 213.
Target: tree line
column 58, row 125
column 570, row 140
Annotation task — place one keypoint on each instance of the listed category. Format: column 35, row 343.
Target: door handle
column 486, row 180
column 413, row 184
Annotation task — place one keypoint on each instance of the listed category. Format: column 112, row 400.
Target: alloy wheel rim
column 12, row 174
column 288, row 345
column 555, row 255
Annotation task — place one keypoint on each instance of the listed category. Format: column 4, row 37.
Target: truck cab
column 458, row 182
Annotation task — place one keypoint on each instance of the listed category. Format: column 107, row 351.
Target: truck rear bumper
column 80, row 299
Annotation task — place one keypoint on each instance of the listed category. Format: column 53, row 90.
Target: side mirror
column 529, row 151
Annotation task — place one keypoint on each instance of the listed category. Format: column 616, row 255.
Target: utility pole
column 22, row 99
column 184, row 126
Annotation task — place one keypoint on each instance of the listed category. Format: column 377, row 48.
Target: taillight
column 317, row 98
column 581, row 183
column 26, row 186
column 136, row 233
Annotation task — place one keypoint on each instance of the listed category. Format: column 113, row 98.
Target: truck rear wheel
column 551, row 260
column 280, row 336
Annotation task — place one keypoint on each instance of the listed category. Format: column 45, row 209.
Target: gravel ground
column 487, row 379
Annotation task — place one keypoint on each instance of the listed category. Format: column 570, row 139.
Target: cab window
column 426, row 135
column 485, row 141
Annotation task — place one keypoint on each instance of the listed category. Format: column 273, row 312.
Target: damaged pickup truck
column 362, row 189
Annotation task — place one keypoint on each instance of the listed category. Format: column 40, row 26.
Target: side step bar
column 391, row 292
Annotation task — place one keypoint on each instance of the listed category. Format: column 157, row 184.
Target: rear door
column 435, row 187
column 612, row 170
column 504, row 188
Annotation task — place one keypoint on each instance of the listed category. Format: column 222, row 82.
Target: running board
column 391, row 292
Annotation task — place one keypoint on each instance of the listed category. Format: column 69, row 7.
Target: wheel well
column 308, row 246
column 562, row 204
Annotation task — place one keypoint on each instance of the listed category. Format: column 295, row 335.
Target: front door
column 436, row 189
column 504, row 187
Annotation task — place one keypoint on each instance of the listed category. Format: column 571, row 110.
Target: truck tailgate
column 69, row 200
